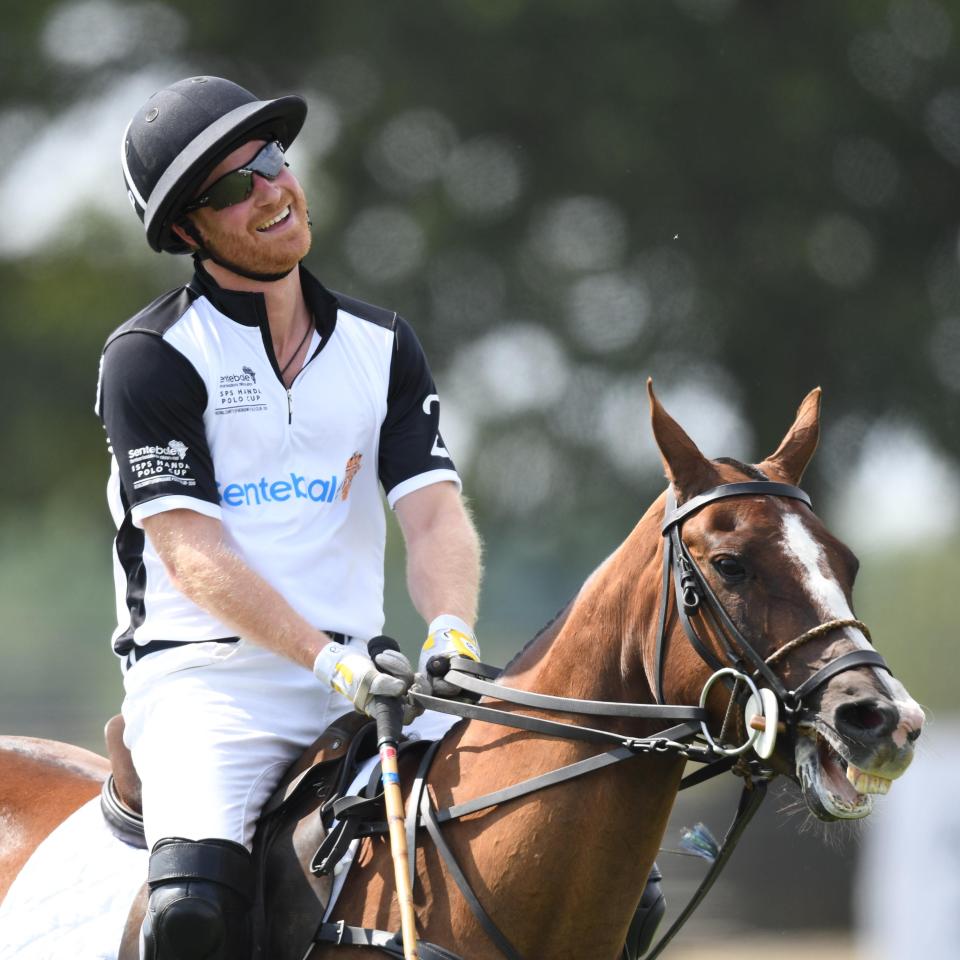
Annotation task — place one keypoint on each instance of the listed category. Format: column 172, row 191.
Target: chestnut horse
column 560, row 871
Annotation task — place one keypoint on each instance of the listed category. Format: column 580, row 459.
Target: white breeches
column 212, row 727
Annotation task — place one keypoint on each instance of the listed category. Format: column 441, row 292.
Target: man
column 253, row 416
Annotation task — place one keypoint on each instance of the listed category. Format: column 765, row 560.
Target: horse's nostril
column 913, row 736
column 866, row 718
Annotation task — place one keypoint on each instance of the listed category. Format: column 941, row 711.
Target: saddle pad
column 72, row 897
column 430, row 725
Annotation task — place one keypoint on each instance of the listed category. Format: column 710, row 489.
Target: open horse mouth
column 834, row 788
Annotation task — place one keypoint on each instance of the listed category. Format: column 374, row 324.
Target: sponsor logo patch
column 351, row 469
column 156, row 464
column 239, row 393
column 293, row 486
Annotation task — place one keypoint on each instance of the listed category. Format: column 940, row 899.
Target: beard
column 260, row 256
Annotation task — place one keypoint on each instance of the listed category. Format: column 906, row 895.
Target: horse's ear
column 687, row 468
column 797, row 447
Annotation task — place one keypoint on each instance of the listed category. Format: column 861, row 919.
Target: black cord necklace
column 293, row 355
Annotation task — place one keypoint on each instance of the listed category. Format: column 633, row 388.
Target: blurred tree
column 749, row 196
column 742, row 199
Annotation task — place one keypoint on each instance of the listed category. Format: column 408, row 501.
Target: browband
column 765, row 488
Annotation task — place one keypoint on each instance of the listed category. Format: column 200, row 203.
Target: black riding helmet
column 181, row 133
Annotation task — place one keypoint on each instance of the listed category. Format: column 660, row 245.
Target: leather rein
column 693, row 598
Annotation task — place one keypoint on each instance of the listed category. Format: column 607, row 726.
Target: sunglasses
column 237, row 185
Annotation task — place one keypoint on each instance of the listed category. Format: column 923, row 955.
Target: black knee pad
column 200, row 898
column 645, row 921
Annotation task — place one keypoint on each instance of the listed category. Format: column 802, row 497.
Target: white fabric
column 212, row 727
column 72, row 897
column 450, row 620
column 421, row 481
column 296, row 471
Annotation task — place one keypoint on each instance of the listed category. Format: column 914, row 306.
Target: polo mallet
column 388, row 712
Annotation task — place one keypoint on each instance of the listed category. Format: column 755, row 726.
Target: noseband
column 694, row 597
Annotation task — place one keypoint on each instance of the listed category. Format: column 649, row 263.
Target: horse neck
column 599, row 833
column 595, row 651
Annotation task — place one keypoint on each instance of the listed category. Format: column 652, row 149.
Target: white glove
column 447, row 636
column 356, row 676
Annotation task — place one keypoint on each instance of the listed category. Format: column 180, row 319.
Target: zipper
column 295, row 379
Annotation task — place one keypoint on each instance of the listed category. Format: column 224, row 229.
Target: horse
column 560, row 871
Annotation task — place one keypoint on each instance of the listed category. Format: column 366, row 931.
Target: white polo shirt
column 197, row 417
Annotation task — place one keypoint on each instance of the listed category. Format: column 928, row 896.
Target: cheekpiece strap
column 767, row 488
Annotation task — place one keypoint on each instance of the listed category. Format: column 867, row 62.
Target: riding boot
column 201, row 893
column 645, row 921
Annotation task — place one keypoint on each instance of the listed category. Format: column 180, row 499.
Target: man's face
column 266, row 233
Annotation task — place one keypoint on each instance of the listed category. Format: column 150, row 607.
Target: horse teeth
column 866, row 782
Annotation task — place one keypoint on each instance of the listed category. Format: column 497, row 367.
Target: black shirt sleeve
column 410, row 441
column 151, row 403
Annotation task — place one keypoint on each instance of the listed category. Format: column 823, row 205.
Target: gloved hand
column 396, row 665
column 358, row 678
column 447, row 636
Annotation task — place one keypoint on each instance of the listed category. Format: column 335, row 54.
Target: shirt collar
column 250, row 310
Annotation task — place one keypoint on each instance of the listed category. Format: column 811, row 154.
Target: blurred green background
column 741, row 198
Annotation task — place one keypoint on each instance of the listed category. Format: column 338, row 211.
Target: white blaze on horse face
column 831, row 604
column 822, row 588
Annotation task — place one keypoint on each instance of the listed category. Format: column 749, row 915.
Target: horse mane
column 547, row 631
column 755, row 473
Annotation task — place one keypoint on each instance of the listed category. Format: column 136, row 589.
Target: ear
column 181, row 228
column 687, row 468
column 797, row 447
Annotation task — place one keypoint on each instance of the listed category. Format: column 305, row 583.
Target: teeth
column 867, row 782
column 280, row 216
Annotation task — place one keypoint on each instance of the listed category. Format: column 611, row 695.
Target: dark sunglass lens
column 232, row 188
column 236, row 186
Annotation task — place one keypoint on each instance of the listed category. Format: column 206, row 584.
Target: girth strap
column 346, row 936
column 342, row 934
column 491, row 929
column 413, row 808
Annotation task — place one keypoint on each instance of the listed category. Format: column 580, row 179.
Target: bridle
column 744, row 669
column 694, row 598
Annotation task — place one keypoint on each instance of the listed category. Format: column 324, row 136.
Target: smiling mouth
column 279, row 218
column 833, row 787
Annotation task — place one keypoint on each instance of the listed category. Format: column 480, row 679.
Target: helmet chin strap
column 203, row 252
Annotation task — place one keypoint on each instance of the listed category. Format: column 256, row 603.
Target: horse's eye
column 730, row 568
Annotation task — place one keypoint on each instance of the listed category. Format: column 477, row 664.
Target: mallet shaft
column 388, row 730
column 759, row 723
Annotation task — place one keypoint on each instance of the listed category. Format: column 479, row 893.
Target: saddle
column 294, row 854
